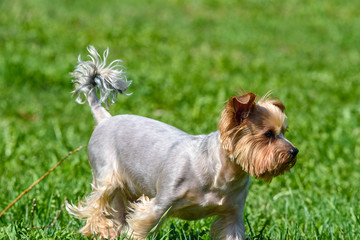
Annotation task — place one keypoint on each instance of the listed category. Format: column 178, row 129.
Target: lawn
column 186, row 58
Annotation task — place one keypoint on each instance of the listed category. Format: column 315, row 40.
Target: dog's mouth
column 290, row 162
column 285, row 167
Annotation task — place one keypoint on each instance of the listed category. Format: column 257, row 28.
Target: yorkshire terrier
column 145, row 171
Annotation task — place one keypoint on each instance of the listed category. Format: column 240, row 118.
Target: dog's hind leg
column 143, row 216
column 103, row 211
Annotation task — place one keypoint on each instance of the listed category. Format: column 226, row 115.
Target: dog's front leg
column 228, row 227
column 230, row 224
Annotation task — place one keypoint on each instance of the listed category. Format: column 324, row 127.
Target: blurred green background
column 186, row 58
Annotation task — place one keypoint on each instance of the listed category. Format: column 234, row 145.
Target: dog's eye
column 269, row 134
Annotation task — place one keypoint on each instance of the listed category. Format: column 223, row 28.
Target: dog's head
column 252, row 134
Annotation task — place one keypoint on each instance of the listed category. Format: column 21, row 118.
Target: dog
column 145, row 171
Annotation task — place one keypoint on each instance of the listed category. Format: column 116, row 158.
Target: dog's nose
column 294, row 152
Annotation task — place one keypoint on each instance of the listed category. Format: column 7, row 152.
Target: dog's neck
column 226, row 174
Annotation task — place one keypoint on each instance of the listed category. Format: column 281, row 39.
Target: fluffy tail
column 93, row 76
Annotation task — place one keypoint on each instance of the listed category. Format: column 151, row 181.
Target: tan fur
column 141, row 218
column 104, row 209
column 244, row 141
column 101, row 218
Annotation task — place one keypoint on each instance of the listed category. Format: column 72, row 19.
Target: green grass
column 185, row 59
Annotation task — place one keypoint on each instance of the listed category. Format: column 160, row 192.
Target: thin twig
column 39, row 180
column 56, row 217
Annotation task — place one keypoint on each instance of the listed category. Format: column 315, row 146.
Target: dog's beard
column 263, row 159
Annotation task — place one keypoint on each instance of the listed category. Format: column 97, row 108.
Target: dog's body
column 145, row 170
column 186, row 173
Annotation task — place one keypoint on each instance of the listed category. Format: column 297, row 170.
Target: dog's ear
column 243, row 105
column 278, row 104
